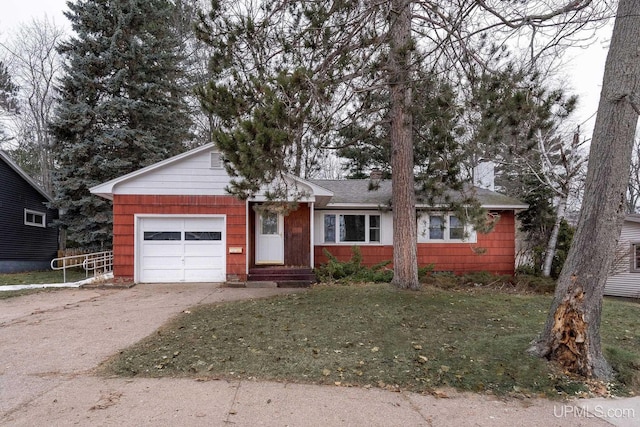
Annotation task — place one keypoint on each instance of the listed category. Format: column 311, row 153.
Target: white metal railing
column 97, row 263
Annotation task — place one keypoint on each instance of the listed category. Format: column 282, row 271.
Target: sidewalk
column 51, row 342
column 77, row 284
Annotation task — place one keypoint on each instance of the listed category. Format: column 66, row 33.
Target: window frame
column 333, row 238
column 42, row 215
column 469, row 235
column 634, row 266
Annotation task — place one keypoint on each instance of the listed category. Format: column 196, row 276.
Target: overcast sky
column 19, row 11
column 583, row 72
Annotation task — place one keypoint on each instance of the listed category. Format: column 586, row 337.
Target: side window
column 374, row 228
column 348, row 228
column 330, row 228
column 436, row 227
column 34, row 218
column 456, row 228
column 352, row 228
column 440, row 227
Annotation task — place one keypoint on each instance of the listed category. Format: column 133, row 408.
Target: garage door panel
column 151, row 250
column 163, row 263
column 202, row 262
column 204, row 249
column 182, row 250
column 204, row 275
column 163, row 276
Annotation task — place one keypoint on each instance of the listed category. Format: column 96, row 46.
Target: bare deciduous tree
column 35, row 65
column 572, row 331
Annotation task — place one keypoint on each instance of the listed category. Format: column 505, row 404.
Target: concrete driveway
column 50, row 343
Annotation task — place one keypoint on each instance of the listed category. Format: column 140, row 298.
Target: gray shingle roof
column 359, row 192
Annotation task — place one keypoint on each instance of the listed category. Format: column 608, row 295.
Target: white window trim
column 367, row 225
column 43, row 215
column 470, row 235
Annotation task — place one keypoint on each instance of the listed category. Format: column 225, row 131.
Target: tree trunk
column 405, row 264
column 553, row 239
column 572, row 332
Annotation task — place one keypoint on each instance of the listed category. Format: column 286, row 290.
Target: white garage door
column 181, row 249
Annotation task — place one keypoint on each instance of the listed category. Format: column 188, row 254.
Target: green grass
column 374, row 335
column 41, row 277
column 36, row 277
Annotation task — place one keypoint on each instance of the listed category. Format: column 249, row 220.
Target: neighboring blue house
column 27, row 240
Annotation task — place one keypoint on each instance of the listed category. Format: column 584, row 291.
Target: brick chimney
column 483, row 175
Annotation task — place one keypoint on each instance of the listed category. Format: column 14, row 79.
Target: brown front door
column 297, row 237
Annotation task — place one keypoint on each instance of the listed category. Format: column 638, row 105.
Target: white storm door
column 269, row 238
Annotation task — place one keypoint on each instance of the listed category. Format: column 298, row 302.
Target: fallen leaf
column 326, row 372
column 374, row 349
column 440, row 394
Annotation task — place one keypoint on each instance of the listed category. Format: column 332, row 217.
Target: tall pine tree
column 122, row 105
column 358, row 47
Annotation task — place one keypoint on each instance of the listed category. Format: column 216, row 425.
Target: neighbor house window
column 34, row 218
column 352, row 228
column 443, row 228
column 635, row 257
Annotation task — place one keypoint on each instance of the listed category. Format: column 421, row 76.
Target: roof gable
column 108, row 189
column 13, row 165
column 192, row 173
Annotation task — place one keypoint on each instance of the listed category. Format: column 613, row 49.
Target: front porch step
column 283, row 276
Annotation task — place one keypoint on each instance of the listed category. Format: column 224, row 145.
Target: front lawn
column 374, row 335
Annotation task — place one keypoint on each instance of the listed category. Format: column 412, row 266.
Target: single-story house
column 624, row 279
column 28, row 242
column 174, row 222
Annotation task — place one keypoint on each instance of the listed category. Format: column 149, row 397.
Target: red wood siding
column 494, row 252
column 126, row 206
column 297, row 235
